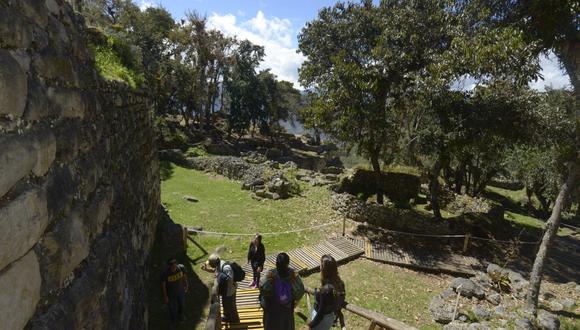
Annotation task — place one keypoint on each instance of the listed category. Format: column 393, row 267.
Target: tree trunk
column 434, row 189
column 377, row 169
column 459, row 175
column 552, row 226
column 543, row 202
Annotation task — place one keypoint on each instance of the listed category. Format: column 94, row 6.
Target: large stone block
column 98, row 211
column 15, row 30
column 13, row 85
column 22, row 222
column 19, row 292
column 62, row 250
column 70, row 102
column 45, row 147
column 38, row 105
column 17, row 158
column 51, row 65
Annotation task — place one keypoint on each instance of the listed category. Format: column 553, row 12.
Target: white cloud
column 554, row 75
column 275, row 34
column 145, row 4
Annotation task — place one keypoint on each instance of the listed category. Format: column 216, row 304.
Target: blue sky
column 275, row 25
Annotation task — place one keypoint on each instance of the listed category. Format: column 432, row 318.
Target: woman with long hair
column 330, row 297
column 280, row 291
column 256, row 259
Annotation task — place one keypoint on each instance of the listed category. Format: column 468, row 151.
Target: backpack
column 283, row 291
column 239, row 273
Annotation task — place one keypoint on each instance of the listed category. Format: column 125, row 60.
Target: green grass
column 513, row 200
column 224, row 207
column 110, row 67
column 395, row 292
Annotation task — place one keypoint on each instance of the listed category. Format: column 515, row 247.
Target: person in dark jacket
column 329, row 276
column 323, row 314
column 280, row 291
column 256, row 258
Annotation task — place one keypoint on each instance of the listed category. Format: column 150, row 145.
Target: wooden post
column 343, row 226
column 466, row 242
column 185, row 234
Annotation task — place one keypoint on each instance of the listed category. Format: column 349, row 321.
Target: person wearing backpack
column 280, row 291
column 256, row 258
column 331, row 297
column 227, row 286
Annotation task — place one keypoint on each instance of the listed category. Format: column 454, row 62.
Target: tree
column 363, row 62
column 552, row 25
column 242, row 85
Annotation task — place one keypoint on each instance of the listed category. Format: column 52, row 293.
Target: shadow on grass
column 195, row 300
column 166, row 170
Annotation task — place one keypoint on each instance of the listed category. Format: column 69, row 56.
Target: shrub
column 114, row 58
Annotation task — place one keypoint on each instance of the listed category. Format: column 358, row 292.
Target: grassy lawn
column 396, row 292
column 223, row 207
column 512, row 201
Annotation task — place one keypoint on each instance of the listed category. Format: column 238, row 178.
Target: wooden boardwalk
column 303, row 260
column 307, row 259
column 418, row 258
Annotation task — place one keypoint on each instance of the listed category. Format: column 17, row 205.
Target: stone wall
column 79, row 185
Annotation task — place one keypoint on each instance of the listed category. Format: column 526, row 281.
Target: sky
column 275, row 24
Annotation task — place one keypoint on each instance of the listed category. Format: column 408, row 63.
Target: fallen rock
column 483, row 280
column 441, row 310
column 567, row 302
column 456, row 325
column 271, row 195
column 467, row 288
column 524, row 323
column 481, row 312
column 493, row 270
column 331, row 170
column 494, row 298
column 556, row 306
column 501, row 311
column 548, row 321
column 190, row 199
column 478, row 326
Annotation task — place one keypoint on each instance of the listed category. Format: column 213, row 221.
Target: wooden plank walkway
column 418, row 258
column 303, row 260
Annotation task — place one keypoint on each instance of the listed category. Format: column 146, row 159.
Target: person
column 256, row 258
column 227, row 287
column 175, row 285
column 280, row 291
column 330, row 280
column 323, row 313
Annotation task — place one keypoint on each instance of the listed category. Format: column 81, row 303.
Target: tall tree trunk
column 459, row 175
column 377, row 169
column 545, row 204
column 552, row 226
column 434, row 189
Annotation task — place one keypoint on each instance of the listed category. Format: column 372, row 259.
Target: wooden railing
column 378, row 321
column 214, row 318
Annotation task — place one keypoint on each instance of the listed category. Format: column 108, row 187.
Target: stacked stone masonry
column 79, row 179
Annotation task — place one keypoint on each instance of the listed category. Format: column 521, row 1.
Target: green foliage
column 170, row 136
column 196, row 152
column 115, row 60
column 111, row 68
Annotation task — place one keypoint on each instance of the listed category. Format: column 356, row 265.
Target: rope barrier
column 444, row 236
column 269, row 234
column 369, row 225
